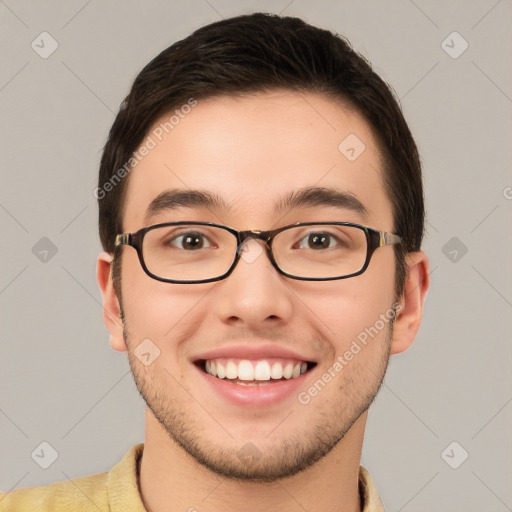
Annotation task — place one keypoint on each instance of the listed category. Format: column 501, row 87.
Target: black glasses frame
column 374, row 240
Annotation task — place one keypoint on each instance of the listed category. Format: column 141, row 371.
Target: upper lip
column 261, row 351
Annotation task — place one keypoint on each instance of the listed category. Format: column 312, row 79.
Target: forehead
column 251, row 155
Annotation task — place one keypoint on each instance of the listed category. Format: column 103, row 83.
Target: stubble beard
column 289, row 454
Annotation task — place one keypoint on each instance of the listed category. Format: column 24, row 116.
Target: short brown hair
column 257, row 53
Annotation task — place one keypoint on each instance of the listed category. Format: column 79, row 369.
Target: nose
column 254, row 295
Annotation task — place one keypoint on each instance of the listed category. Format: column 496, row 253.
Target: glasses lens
column 321, row 251
column 188, row 252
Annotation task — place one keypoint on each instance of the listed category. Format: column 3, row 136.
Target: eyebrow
column 177, row 198
column 321, row 196
column 304, row 197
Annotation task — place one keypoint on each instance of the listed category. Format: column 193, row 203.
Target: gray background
column 60, row 381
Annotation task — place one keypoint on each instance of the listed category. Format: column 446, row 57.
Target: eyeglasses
column 202, row 252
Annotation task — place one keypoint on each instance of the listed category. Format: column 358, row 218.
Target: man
column 261, row 211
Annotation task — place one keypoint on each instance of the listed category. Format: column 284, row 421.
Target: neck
column 171, row 480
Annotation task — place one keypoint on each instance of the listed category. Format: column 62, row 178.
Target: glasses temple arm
column 122, row 239
column 388, row 238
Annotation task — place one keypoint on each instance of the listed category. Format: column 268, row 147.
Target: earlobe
column 408, row 320
column 111, row 306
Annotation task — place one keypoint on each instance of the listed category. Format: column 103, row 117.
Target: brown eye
column 317, row 241
column 190, row 241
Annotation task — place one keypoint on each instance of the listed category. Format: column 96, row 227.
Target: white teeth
column 231, row 370
column 287, row 371
column 245, row 370
column 262, row 370
column 221, row 373
column 276, row 372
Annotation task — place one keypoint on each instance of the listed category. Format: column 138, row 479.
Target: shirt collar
column 123, row 486
column 124, row 492
column 370, row 499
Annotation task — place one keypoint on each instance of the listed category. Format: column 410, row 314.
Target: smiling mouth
column 254, row 372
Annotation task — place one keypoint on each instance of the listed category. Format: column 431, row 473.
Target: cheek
column 160, row 311
column 347, row 309
column 138, row 289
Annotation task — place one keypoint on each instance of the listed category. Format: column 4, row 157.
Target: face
column 251, row 153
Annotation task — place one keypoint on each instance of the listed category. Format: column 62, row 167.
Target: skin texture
column 251, row 151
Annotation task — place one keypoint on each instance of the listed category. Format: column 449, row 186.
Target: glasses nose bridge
column 243, row 236
column 256, row 234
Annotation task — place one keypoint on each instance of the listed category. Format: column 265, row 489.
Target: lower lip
column 255, row 395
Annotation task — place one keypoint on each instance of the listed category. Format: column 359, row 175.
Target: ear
column 111, row 307
column 410, row 311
